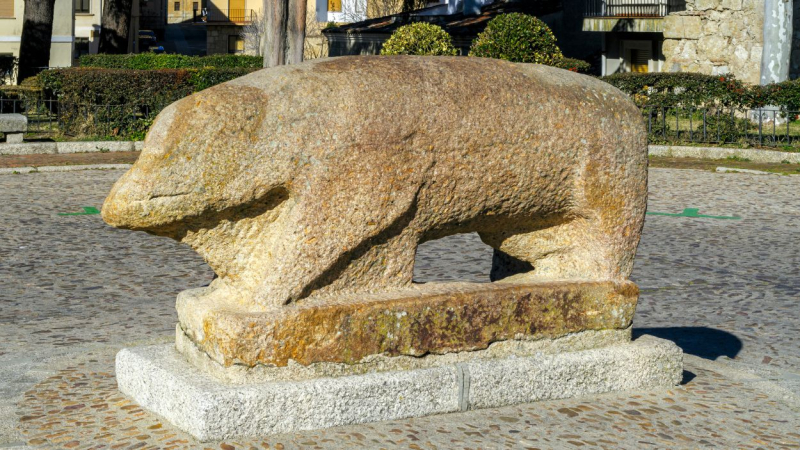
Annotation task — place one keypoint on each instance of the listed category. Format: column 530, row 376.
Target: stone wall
column 217, row 38
column 716, row 37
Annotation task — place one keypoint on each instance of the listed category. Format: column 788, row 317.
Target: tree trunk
column 776, row 54
column 114, row 26
column 37, row 33
column 284, row 32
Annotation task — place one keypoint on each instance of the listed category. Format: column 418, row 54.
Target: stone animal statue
column 320, row 178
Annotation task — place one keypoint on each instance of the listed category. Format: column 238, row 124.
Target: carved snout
column 133, row 204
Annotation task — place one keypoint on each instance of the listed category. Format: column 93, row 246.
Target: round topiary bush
column 517, row 37
column 420, row 38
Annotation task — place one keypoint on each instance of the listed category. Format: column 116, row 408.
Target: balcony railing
column 632, row 8
column 237, row 16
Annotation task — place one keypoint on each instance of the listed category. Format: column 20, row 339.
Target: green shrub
column 686, row 89
column 573, row 65
column 148, row 61
column 205, row 78
column 115, row 86
column 420, row 38
column 517, row 37
column 122, row 103
column 785, row 94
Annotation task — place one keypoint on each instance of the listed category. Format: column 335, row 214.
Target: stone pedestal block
column 434, row 318
column 162, row 381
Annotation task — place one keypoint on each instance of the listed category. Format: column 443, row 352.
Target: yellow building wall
column 61, row 47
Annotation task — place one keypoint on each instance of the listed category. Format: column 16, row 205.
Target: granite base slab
column 162, row 381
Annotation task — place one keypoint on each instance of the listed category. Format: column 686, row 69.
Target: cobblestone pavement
column 73, row 291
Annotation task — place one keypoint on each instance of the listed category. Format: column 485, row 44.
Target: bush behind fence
column 723, row 125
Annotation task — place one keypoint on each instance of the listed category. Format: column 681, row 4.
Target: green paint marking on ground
column 87, row 210
column 693, row 212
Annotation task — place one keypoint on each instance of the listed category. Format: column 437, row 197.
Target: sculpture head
column 199, row 157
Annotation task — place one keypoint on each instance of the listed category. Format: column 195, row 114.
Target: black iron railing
column 237, row 16
column 745, row 127
column 632, row 8
column 51, row 117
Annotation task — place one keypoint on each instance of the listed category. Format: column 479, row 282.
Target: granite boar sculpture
column 324, row 177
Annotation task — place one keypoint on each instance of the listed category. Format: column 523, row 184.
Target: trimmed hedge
column 517, row 37
column 120, row 103
column 88, row 86
column 682, row 89
column 573, row 65
column 148, row 61
column 696, row 90
column 420, row 38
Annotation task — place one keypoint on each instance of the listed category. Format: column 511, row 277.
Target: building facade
column 62, row 42
column 184, row 11
column 713, row 37
column 76, row 27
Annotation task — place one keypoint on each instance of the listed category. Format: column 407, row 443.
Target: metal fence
column 48, row 118
column 237, row 16
column 632, row 8
column 752, row 127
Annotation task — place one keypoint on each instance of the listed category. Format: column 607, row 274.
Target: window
column 335, row 5
column 83, row 6
column 639, row 60
column 177, row 6
column 6, row 8
column 81, row 46
column 235, row 44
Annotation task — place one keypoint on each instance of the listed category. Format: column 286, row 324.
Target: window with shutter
column 6, row 8
column 639, row 60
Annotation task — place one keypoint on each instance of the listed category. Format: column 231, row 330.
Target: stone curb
column 754, row 155
column 54, row 148
column 737, row 170
column 162, row 381
column 29, row 169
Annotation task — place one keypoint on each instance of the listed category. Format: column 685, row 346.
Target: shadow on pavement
column 704, row 342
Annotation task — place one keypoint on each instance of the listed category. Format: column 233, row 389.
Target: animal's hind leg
column 574, row 249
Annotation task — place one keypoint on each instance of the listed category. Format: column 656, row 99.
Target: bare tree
column 37, row 34
column 284, row 32
column 252, row 34
column 411, row 5
column 316, row 46
column 115, row 26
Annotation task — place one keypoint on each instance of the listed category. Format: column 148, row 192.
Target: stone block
column 673, row 27
column 432, row 318
column 735, row 5
column 13, row 123
column 704, row 5
column 682, row 27
column 101, row 146
column 28, row 148
column 692, row 27
column 160, row 380
column 14, row 138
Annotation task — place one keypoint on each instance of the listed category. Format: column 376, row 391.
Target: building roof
column 455, row 24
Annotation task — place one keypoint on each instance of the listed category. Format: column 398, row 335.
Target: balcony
column 230, row 16
column 632, row 16
column 632, row 9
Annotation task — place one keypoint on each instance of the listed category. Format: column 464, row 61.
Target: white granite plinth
column 162, row 381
